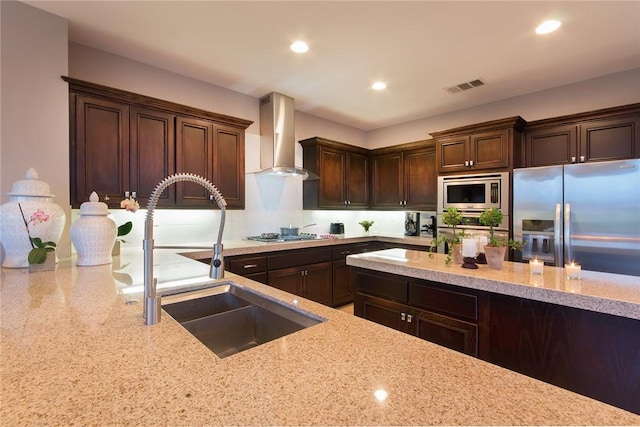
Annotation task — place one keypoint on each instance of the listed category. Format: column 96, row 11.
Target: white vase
column 93, row 234
column 32, row 196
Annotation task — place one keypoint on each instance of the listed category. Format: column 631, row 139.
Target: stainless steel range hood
column 277, row 136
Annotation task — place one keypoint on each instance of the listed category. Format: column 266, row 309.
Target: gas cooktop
column 272, row 237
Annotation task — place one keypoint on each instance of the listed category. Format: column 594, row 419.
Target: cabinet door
column 383, row 312
column 228, row 164
column 452, row 153
column 489, row 150
column 100, row 150
column 316, row 283
column 332, row 170
column 342, row 288
column 446, row 331
column 194, row 154
column 357, row 182
column 420, row 179
column 152, row 153
column 286, row 279
column 550, row 146
column 612, row 139
column 387, row 181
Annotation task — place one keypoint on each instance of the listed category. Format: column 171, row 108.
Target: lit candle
column 469, row 248
column 572, row 270
column 536, row 266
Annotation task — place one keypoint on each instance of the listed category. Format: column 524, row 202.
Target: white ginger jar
column 44, row 219
column 93, row 234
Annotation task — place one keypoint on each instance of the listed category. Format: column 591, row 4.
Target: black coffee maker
column 412, row 223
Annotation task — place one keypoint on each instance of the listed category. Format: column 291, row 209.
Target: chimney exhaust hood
column 277, row 136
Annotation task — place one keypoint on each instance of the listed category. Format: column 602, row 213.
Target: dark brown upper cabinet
column 609, row 134
column 339, row 175
column 123, row 143
column 479, row 147
column 404, row 176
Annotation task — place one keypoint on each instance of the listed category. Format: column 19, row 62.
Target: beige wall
column 603, row 92
column 34, row 125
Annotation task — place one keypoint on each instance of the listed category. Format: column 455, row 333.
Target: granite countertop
column 75, row 350
column 607, row 293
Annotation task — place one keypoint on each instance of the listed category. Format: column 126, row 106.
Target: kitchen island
column 75, row 351
column 583, row 335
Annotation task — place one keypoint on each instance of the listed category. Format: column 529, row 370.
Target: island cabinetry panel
column 404, row 176
column 453, row 317
column 594, row 354
column 253, row 267
column 481, row 147
column 341, row 172
column 609, row 134
column 306, row 273
column 123, row 143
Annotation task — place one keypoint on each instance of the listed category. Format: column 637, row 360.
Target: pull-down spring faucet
column 151, row 311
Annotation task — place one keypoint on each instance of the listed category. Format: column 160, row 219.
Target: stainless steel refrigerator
column 588, row 213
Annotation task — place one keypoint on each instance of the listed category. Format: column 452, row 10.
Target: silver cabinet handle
column 409, row 318
column 250, row 266
column 134, row 195
column 348, row 202
column 470, row 162
column 466, row 162
column 567, row 234
column 581, row 160
column 345, row 202
column 557, row 237
column 573, row 159
column 403, row 316
column 126, row 194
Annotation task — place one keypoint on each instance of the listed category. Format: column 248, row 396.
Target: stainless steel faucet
column 151, row 310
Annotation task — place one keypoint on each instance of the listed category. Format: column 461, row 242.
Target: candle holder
column 572, row 271
column 536, row 266
column 468, row 262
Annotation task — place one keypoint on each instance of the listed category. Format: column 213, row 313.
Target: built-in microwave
column 474, row 193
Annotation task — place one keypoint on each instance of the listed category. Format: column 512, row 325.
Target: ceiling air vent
column 465, row 86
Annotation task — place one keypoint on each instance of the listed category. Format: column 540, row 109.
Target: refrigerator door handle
column 567, row 234
column 557, row 231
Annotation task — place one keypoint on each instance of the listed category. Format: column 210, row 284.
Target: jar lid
column 30, row 186
column 93, row 206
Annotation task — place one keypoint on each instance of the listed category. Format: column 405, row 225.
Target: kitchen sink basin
column 229, row 319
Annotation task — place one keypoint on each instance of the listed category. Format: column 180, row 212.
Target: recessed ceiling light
column 299, row 47
column 548, row 26
column 379, row 86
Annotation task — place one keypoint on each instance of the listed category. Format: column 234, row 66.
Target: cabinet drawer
column 381, row 284
column 342, row 251
column 444, row 300
column 247, row 265
column 298, row 257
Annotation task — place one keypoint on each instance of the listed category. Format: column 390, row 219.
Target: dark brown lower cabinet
column 593, row 354
column 311, row 281
column 253, row 267
column 432, row 311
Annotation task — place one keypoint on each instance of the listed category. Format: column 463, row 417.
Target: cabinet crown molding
column 516, row 122
column 114, row 94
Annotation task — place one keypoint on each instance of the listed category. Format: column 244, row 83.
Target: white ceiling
column 418, row 47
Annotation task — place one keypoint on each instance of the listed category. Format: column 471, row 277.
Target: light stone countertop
column 607, row 293
column 74, row 352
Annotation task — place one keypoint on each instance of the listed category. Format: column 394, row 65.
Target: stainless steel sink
column 229, row 319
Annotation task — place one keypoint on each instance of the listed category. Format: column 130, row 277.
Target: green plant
column 124, row 229
column 130, row 204
column 38, row 255
column 493, row 218
column 39, row 249
column 452, row 217
column 366, row 224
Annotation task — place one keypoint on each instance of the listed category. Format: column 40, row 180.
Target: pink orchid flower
column 130, row 204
